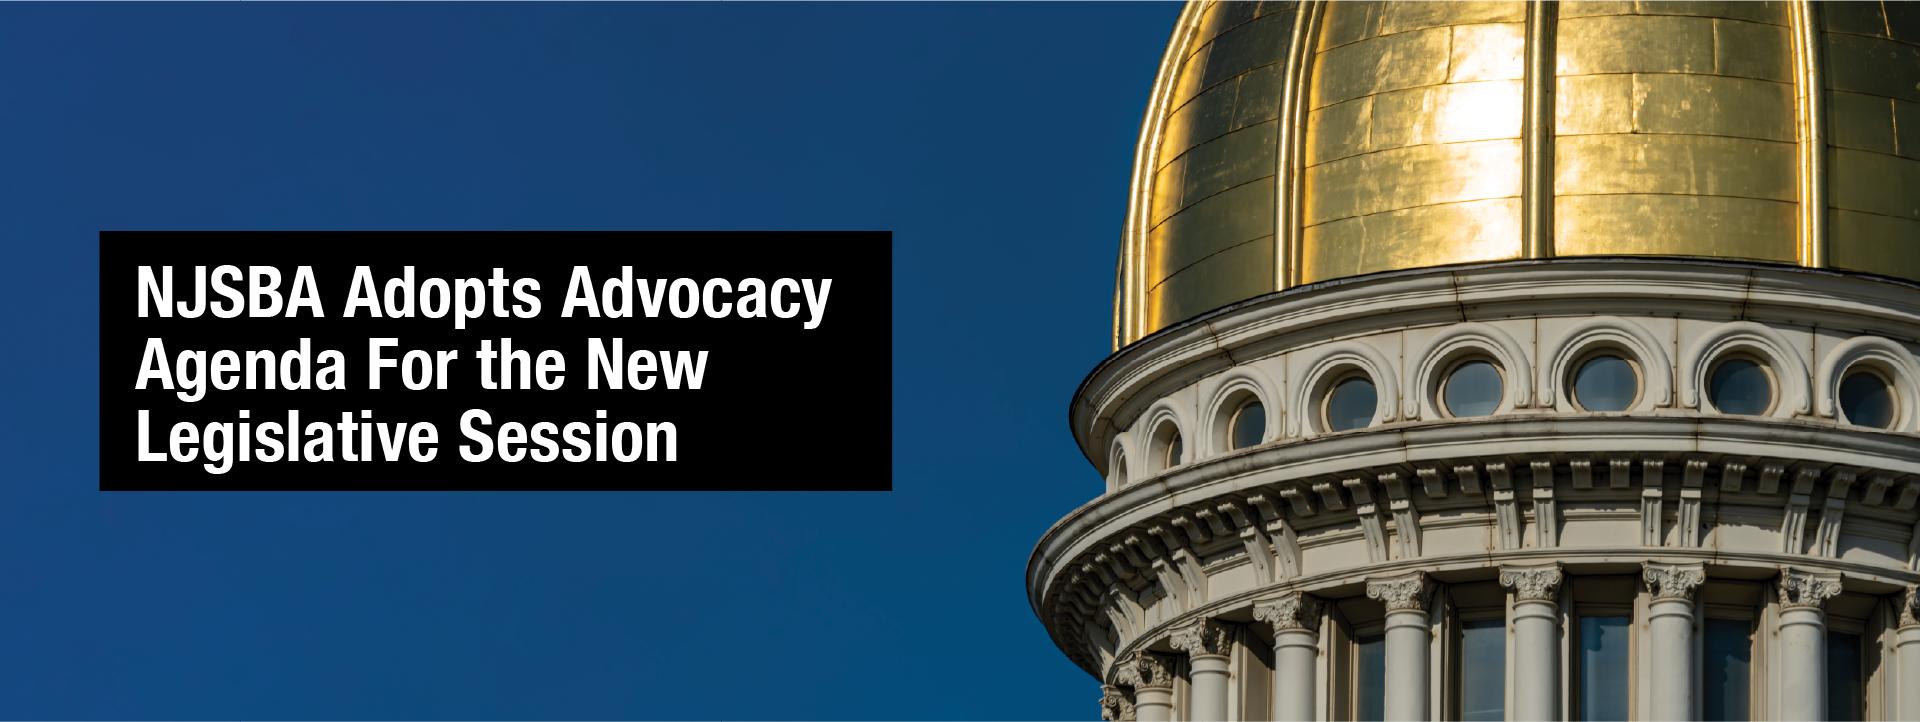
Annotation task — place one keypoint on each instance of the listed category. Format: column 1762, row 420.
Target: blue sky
column 993, row 139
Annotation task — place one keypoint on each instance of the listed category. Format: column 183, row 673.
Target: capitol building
column 1510, row 361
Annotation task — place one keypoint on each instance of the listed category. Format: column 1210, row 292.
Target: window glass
column 1473, row 389
column 1351, row 404
column 1249, row 425
column 1846, row 699
column 1740, row 386
column 1370, row 678
column 1483, row 670
column 1604, row 665
column 1727, row 669
column 1605, row 383
column 1866, row 400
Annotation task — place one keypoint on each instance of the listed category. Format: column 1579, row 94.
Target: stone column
column 1803, row 643
column 1208, row 644
column 1536, row 640
column 1151, row 677
column 1907, row 655
column 1670, row 632
column 1409, row 643
column 1296, row 653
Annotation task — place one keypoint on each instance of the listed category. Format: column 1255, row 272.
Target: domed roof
column 1287, row 143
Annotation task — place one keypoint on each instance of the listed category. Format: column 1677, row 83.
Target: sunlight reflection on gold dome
column 1288, row 143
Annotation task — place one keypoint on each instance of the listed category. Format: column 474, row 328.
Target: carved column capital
column 1910, row 608
column 1144, row 670
column 1673, row 581
column 1114, row 704
column 1289, row 612
column 1203, row 637
column 1533, row 583
column 1807, row 590
column 1405, row 593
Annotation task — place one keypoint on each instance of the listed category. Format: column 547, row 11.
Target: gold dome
column 1292, row 142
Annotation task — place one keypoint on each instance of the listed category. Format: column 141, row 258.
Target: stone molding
column 1532, row 584
column 1673, row 581
column 1289, row 612
column 1204, row 637
column 1084, row 588
column 1807, row 590
column 1405, row 593
column 1792, row 377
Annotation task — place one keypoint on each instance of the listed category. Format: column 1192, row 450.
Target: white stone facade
column 1248, row 583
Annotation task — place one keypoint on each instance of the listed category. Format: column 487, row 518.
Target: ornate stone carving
column 1202, row 638
column 1807, row 589
column 1404, row 593
column 1144, row 670
column 1910, row 607
column 1294, row 611
column 1673, row 581
column 1532, row 584
column 1114, row 705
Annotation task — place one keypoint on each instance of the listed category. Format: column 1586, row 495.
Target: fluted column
column 1670, row 627
column 1906, row 643
column 1151, row 677
column 1803, row 643
column 1409, row 643
column 1536, row 640
column 1208, row 644
column 1296, row 650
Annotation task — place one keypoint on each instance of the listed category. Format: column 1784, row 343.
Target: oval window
column 1740, row 386
column 1351, row 404
column 1473, row 389
column 1867, row 399
column 1248, row 426
column 1605, row 383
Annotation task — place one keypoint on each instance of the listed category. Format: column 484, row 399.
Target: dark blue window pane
column 1483, row 670
column 1370, row 679
column 1866, row 400
column 1351, row 405
column 1740, row 386
column 1846, row 699
column 1727, row 669
column 1473, row 389
column 1605, row 383
column 1249, row 425
column 1603, row 667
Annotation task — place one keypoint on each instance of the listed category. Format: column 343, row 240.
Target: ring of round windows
column 1606, row 380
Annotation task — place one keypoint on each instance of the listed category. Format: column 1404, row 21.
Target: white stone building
column 1510, row 360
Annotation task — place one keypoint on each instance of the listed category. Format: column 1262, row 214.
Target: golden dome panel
column 1287, row 143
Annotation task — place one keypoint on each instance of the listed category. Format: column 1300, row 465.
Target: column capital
column 1114, row 705
column 1144, row 670
column 1292, row 611
column 1203, row 637
column 1910, row 608
column 1405, row 593
column 1532, row 583
column 1673, row 581
column 1807, row 590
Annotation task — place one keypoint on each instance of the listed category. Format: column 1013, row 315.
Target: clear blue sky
column 994, row 140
